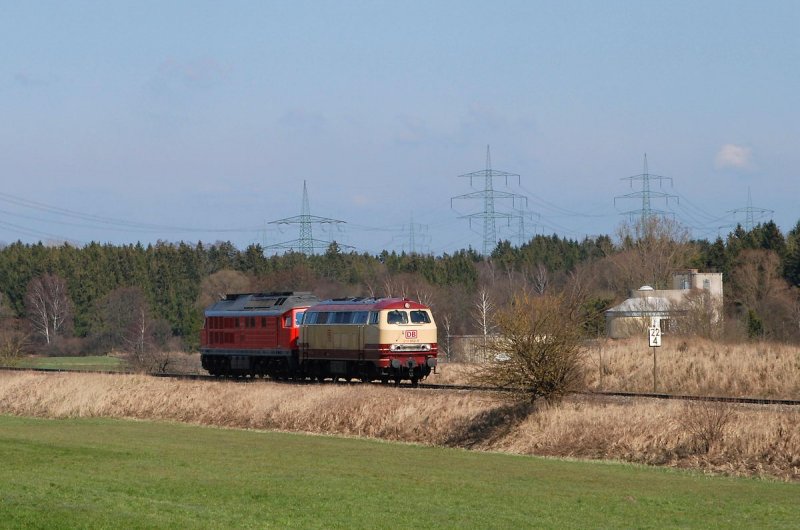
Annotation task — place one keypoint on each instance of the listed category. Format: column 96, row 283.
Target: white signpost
column 655, row 337
column 654, row 333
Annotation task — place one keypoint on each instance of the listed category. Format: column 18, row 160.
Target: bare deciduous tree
column 702, row 315
column 541, row 278
column 446, row 328
column 124, row 323
column 483, row 314
column 538, row 350
column 758, row 288
column 651, row 250
column 49, row 306
column 215, row 286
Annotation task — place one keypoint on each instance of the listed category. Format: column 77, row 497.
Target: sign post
column 654, row 333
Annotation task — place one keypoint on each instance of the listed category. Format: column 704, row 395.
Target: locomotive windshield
column 420, row 317
column 397, row 317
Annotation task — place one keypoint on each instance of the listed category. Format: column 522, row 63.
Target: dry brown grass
column 694, row 367
column 697, row 367
column 750, row 440
column 452, row 374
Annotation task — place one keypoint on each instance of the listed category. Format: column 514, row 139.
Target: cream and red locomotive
column 294, row 335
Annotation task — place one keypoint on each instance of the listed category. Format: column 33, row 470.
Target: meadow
column 89, row 363
column 727, row 439
column 100, row 473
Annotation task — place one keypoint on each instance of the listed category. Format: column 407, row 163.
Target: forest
column 67, row 300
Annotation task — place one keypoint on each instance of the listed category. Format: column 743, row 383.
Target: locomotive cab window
column 397, row 317
column 287, row 321
column 420, row 317
column 298, row 318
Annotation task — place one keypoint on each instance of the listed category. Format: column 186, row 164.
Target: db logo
column 411, row 333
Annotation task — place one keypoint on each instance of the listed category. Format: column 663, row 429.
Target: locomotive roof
column 367, row 304
column 240, row 304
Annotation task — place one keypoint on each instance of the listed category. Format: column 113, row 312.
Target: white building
column 665, row 307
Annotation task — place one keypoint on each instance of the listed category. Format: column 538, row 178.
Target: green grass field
column 126, row 474
column 91, row 363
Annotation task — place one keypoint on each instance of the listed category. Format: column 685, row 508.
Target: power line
column 111, row 223
column 39, row 234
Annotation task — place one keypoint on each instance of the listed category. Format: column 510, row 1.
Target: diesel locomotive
column 295, row 335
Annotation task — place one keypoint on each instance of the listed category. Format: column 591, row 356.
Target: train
column 295, row 335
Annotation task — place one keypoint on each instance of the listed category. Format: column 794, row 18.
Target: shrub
column 706, row 422
column 538, row 350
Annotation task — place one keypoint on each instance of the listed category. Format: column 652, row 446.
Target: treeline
column 113, row 296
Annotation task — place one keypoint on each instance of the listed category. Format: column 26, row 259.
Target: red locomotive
column 253, row 333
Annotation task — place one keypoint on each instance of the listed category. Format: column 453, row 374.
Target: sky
column 140, row 121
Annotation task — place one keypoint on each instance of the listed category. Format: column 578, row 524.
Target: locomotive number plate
column 411, row 333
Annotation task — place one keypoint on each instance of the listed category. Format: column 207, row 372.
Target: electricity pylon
column 489, row 194
column 749, row 212
column 306, row 242
column 415, row 236
column 646, row 194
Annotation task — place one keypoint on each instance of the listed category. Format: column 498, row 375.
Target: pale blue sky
column 209, row 115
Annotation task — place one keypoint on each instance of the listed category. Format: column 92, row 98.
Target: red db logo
column 411, row 333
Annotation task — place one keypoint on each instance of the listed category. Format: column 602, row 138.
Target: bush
column 13, row 344
column 65, row 347
column 706, row 422
column 538, row 350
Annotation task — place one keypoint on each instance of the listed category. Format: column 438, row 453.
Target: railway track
column 470, row 388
